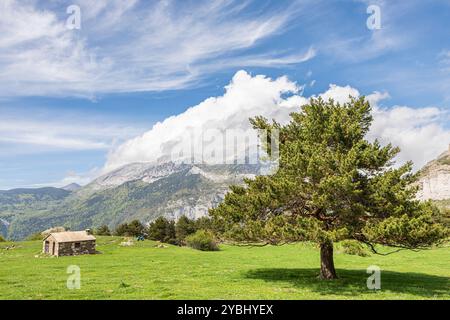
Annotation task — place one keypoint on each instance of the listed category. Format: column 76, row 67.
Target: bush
column 162, row 230
column 202, row 240
column 2, row 239
column 354, row 248
column 103, row 231
column 183, row 228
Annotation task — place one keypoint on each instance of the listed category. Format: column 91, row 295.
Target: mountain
column 434, row 179
column 72, row 187
column 136, row 191
column 23, row 202
column 16, row 196
column 132, row 172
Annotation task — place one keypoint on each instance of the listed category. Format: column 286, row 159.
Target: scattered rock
column 11, row 247
column 127, row 243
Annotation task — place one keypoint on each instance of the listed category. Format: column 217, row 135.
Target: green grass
column 145, row 271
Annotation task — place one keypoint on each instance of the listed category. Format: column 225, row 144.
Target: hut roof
column 71, row 236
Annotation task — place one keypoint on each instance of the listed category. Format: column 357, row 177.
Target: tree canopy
column 331, row 184
column 103, row 230
column 133, row 229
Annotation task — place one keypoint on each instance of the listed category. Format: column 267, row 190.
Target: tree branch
column 258, row 245
column 374, row 250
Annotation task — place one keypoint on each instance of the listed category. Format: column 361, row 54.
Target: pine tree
column 183, row 228
column 331, row 185
column 103, row 230
column 133, row 229
column 162, row 230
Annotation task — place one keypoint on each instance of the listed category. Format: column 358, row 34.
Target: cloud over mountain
column 245, row 97
column 420, row 132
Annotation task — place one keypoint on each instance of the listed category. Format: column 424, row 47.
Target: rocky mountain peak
column 146, row 172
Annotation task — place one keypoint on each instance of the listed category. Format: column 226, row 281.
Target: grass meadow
column 146, row 271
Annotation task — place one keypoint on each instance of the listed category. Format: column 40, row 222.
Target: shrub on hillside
column 183, row 228
column 103, row 231
column 2, row 239
column 202, row 240
column 162, row 230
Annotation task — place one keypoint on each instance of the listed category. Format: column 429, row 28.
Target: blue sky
column 70, row 97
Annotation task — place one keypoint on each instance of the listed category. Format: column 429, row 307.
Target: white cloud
column 339, row 94
column 444, row 60
column 38, row 52
column 418, row 132
column 264, row 60
column 129, row 46
column 22, row 135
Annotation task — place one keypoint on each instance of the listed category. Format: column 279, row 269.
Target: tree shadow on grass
column 353, row 282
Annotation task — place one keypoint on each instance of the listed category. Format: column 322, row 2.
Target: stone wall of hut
column 75, row 248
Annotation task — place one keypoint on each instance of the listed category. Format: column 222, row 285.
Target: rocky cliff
column 434, row 179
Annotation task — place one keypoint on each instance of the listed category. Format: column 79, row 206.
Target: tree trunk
column 327, row 270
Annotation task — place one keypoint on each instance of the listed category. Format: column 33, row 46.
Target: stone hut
column 69, row 243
